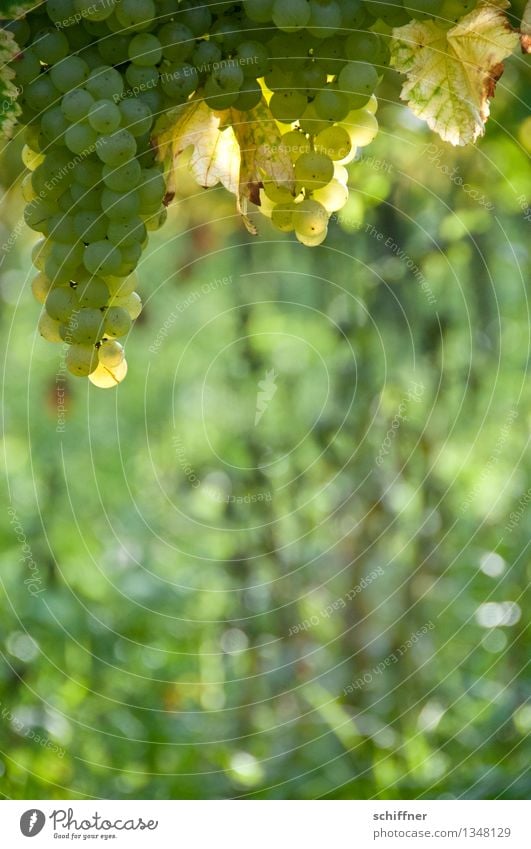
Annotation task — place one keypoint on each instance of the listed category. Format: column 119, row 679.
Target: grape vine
column 101, row 82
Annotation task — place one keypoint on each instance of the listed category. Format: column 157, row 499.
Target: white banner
column 266, row 824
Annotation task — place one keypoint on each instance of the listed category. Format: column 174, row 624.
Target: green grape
column 67, row 255
column 31, row 158
column 310, row 123
column 152, row 188
column 179, row 81
column 325, row 18
column 124, row 177
column 54, row 124
column 311, row 79
column 334, row 142
column 421, row 9
column 177, row 41
column 157, row 220
column 95, row 10
column 105, row 377
column 39, row 252
column 330, row 54
column 41, row 286
column 102, row 258
column 87, row 329
column 90, row 226
column 132, row 304
column 195, row 15
column 117, row 148
column 141, row 78
column 205, row 54
column 38, row 212
column 83, row 199
column 362, row 127
column 81, row 360
column 331, row 105
column 127, row 232
column 291, row 16
column 49, row 328
column 120, row 205
column 453, row 10
column 229, row 77
column 372, row 105
column 61, row 229
column 367, row 47
column 145, row 49
column 253, row 58
column 312, row 241
column 288, row 106
column 69, row 73
column 137, row 117
column 117, row 322
column 88, row 172
column 249, row 96
column 105, row 82
column 81, row 138
column 276, row 193
column 135, row 14
column 120, row 287
column 283, row 215
column 218, row 99
column 104, row 116
column 41, row 93
column 50, row 46
column 27, row 67
column 130, row 256
column 92, row 293
column 28, row 192
column 61, row 302
column 310, row 218
column 110, row 353
column 333, row 196
column 295, row 143
column 358, row 80
column 394, row 15
column 278, row 79
column 76, row 104
column 313, row 170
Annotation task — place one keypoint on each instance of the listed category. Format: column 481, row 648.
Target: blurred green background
column 329, row 602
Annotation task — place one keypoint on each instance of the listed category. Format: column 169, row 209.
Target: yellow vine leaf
column 237, row 149
column 452, row 73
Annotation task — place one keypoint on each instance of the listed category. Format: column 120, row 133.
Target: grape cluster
column 96, row 74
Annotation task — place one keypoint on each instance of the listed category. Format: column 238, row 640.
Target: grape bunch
column 95, row 76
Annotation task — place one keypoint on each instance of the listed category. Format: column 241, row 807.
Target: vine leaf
column 9, row 107
column 452, row 73
column 237, row 149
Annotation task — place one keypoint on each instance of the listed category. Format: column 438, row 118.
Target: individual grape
column 152, row 188
column 37, row 213
column 76, row 104
column 260, row 11
column 120, row 205
column 334, row 142
column 311, row 78
column 135, row 14
column 61, row 302
column 145, row 49
column 54, row 124
column 102, row 258
column 95, row 10
column 295, row 143
column 87, row 329
column 27, row 67
column 330, row 54
column 81, row 360
column 358, row 80
column 83, row 199
column 333, row 196
column 88, row 172
column 31, row 158
column 136, row 116
column 253, row 58
column 291, row 16
column 49, row 328
column 127, row 232
column 218, row 99
column 362, row 127
column 120, row 286
column 50, row 46
column 367, row 47
column 104, row 116
column 105, row 82
column 205, row 54
column 157, row 220
column 310, row 123
column 288, row 106
column 132, row 304
column 141, row 78
column 92, row 293
column 130, row 256
column 124, row 177
column 177, row 41
column 312, row 241
column 41, row 286
column 90, row 226
column 179, row 81
column 249, row 96
column 313, row 170
column 331, row 105
column 277, row 193
column 283, row 215
column 61, row 229
column 310, row 218
column 81, row 138
column 105, row 377
column 325, row 18
column 116, row 148
column 110, row 353
column 69, row 73
column 117, row 322
column 41, row 93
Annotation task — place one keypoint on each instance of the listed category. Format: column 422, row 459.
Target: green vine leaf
column 9, row 107
column 452, row 73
